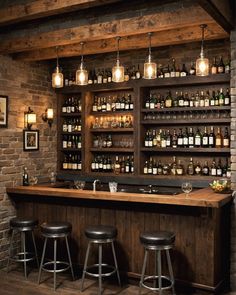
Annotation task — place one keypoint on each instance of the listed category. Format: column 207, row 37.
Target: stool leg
column 10, row 250
column 143, row 271
column 100, row 269
column 42, row 259
column 24, row 252
column 35, row 249
column 159, row 271
column 69, row 257
column 85, row 266
column 156, row 271
column 170, row 270
column 55, row 265
column 115, row 261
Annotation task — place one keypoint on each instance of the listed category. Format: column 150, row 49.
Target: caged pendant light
column 202, row 63
column 57, row 76
column 82, row 73
column 150, row 68
column 118, row 71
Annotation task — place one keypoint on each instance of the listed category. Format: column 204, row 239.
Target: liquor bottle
column 198, row 169
column 205, row 138
column 109, row 76
column 99, row 76
column 64, row 142
column 137, row 73
column 227, row 65
column 173, row 166
column 221, row 66
column 25, row 177
column 226, row 138
column 147, row 102
column 133, row 73
column 167, row 72
column 95, row 104
column 214, row 67
column 79, row 163
column 179, row 168
column 131, row 103
column 198, row 139
column 185, row 138
column 145, row 168
column 64, row 107
column 180, row 138
column 104, row 77
column 192, row 70
column 132, row 165
column 202, row 99
column 221, row 97
column 227, row 98
column 150, row 164
column 174, row 139
column 219, row 168
column 212, row 138
column 146, row 139
column 127, row 75
column 205, row 169
column 122, row 165
column 219, row 139
column 159, row 168
column 173, row 68
column 213, row 168
column 109, row 104
column 117, row 166
column 190, row 168
column 186, row 100
column 168, row 100
column 152, row 102
column 207, row 99
column 181, row 100
column 90, row 77
column 183, row 71
column 212, row 99
column 190, row 138
column 163, row 139
column 65, row 163
column 168, row 139
column 154, row 167
column 228, row 171
column 95, row 78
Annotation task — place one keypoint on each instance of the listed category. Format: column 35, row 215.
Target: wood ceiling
column 30, row 30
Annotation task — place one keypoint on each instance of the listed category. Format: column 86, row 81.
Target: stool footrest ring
column 64, row 266
column 19, row 257
column 96, row 275
column 171, row 283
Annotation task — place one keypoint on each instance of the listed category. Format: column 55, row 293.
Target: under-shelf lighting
column 202, row 63
column 118, row 71
column 150, row 68
column 82, row 73
column 57, row 76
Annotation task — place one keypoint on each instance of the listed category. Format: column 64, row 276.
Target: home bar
column 118, row 144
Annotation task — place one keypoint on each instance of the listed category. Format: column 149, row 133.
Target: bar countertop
column 200, row 198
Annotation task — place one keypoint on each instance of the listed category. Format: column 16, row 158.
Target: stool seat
column 23, row 224
column 101, row 232
column 56, row 228
column 159, row 238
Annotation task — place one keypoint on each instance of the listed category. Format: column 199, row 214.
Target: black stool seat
column 160, row 238
column 101, row 232
column 23, row 224
column 56, row 228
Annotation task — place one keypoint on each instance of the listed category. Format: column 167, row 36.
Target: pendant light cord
column 202, row 45
column 118, row 48
column 82, row 55
column 57, row 57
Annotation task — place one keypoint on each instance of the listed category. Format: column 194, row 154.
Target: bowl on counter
column 221, row 186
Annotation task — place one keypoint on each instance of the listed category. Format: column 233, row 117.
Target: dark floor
column 14, row 283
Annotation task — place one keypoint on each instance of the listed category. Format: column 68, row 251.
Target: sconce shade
column 150, row 68
column 47, row 116
column 57, row 79
column 118, row 72
column 29, row 118
column 50, row 113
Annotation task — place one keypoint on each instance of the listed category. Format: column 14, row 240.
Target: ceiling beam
column 162, row 38
column 16, row 13
column 105, row 28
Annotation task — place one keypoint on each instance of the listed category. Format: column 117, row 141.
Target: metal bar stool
column 100, row 234
column 157, row 241
column 22, row 226
column 55, row 231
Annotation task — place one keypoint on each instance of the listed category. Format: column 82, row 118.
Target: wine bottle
column 25, row 177
column 190, row 168
column 205, row 138
column 221, row 66
column 218, row 138
column 205, row 169
column 226, row 138
column 214, row 67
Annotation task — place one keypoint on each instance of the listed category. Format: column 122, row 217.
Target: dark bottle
column 205, row 169
column 183, row 71
column 213, row 168
column 226, row 138
column 137, row 73
column 219, row 168
column 90, row 77
column 173, row 68
column 133, row 73
column 167, row 72
column 205, row 138
column 25, row 177
column 190, row 138
column 214, row 67
column 190, row 168
column 197, row 139
column 192, row 70
column 227, row 66
column 127, row 74
column 227, row 98
column 180, row 140
column 198, row 169
column 212, row 138
column 221, row 66
column 174, row 139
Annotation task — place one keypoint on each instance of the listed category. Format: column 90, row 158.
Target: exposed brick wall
column 233, row 157
column 26, row 85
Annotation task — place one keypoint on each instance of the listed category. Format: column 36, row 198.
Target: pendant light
column 82, row 73
column 118, row 71
column 57, row 76
column 202, row 63
column 150, row 68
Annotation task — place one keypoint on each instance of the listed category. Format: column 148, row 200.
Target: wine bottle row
column 113, row 122
column 156, row 167
column 107, row 141
column 71, row 141
column 72, row 125
column 113, row 103
column 72, row 162
column 158, row 101
column 187, row 138
column 118, row 165
column 72, row 105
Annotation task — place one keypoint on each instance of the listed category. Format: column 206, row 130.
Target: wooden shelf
column 71, row 133
column 112, row 150
column 71, row 114
column 111, row 113
column 186, row 150
column 187, row 121
column 118, row 130
column 180, row 177
column 187, row 109
column 71, row 150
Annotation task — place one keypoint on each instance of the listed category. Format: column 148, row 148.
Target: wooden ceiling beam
column 16, row 13
column 162, row 38
column 105, row 29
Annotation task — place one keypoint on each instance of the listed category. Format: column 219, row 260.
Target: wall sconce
column 57, row 76
column 81, row 73
column 118, row 71
column 202, row 63
column 150, row 68
column 29, row 119
column 47, row 116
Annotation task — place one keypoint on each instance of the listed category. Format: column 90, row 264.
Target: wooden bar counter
column 201, row 223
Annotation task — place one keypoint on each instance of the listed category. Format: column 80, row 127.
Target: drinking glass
column 33, row 180
column 53, row 177
column 79, row 184
column 186, row 188
column 113, row 187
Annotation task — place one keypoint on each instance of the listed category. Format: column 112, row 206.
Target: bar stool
column 100, row 234
column 22, row 226
column 157, row 241
column 55, row 231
